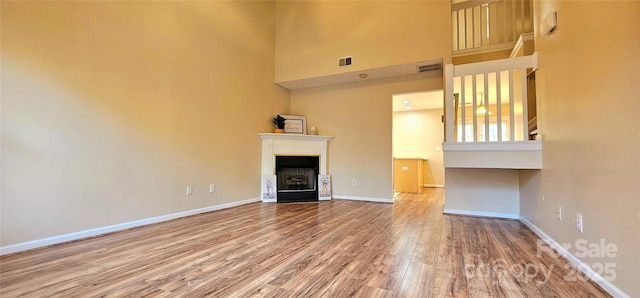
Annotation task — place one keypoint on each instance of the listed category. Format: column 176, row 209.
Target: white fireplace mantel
column 291, row 136
column 278, row 144
column 292, row 144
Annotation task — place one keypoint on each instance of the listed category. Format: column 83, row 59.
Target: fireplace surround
column 296, row 160
column 296, row 178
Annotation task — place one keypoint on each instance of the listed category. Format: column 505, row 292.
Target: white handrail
column 496, row 93
column 497, row 65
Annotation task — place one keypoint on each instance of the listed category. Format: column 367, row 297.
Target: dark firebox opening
column 297, row 178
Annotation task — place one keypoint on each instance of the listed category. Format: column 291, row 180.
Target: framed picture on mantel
column 295, row 124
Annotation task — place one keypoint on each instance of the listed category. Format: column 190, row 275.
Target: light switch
column 405, row 168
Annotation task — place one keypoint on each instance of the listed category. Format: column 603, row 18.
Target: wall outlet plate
column 579, row 222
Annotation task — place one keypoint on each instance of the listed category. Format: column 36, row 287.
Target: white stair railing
column 487, row 101
column 489, row 24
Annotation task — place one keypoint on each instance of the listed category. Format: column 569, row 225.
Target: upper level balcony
column 488, row 29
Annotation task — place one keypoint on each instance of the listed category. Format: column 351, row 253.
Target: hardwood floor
column 327, row 249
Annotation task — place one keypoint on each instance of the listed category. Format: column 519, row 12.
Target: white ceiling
column 419, row 100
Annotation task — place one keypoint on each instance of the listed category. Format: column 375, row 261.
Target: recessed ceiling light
column 408, row 108
column 406, row 101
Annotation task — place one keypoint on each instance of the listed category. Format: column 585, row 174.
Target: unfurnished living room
column 142, row 154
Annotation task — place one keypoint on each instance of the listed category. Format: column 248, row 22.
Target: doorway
column 417, row 137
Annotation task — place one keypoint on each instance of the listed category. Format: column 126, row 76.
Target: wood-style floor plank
column 324, row 249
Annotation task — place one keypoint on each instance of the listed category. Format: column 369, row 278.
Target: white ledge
column 493, row 155
column 294, row 136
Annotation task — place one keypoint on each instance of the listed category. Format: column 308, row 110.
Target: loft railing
column 487, row 101
column 489, row 24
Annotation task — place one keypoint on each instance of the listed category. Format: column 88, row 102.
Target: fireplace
column 291, row 166
column 296, row 178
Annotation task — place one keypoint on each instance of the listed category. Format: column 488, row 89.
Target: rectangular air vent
column 429, row 67
column 346, row 61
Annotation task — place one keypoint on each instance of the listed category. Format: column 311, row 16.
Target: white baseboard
column 433, row 185
column 481, row 213
column 368, row 199
column 585, row 268
column 113, row 228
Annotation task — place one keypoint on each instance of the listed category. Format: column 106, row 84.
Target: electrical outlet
column 212, row 188
column 559, row 213
column 354, row 181
column 579, row 222
column 189, row 190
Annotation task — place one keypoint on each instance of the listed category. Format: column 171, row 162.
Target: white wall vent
column 429, row 67
column 346, row 61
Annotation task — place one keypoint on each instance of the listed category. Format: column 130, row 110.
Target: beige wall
column 359, row 116
column 417, row 134
column 110, row 109
column 530, row 191
column 312, row 35
column 587, row 94
column 482, row 192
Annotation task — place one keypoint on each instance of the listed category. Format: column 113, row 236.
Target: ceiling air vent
column 429, row 67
